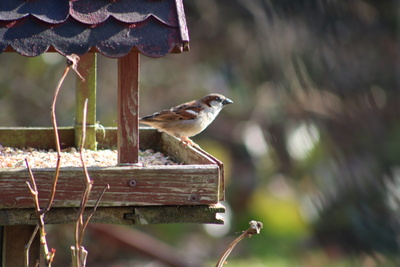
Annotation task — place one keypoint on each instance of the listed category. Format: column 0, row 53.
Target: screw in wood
column 193, row 198
column 132, row 183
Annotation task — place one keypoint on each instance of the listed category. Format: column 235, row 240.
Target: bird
column 188, row 119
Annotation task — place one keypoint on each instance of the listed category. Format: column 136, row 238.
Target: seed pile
column 70, row 157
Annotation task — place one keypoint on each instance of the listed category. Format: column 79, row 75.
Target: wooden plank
column 128, row 109
column 220, row 164
column 181, row 153
column 184, row 214
column 190, row 155
column 37, row 137
column 15, row 238
column 149, row 138
column 114, row 215
column 86, row 89
column 120, row 215
column 152, row 185
column 43, row 137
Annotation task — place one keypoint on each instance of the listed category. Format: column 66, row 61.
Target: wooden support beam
column 120, row 215
column 128, row 109
column 177, row 214
column 87, row 67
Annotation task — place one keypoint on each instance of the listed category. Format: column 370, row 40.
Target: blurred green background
column 311, row 144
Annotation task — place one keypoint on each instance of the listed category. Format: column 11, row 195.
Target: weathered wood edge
column 43, row 137
column 128, row 108
column 193, row 154
column 153, row 185
column 180, row 214
column 107, row 139
column 121, row 215
column 221, row 169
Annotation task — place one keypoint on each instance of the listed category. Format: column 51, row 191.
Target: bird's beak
column 227, row 101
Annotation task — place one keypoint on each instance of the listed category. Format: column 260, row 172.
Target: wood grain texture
column 162, row 194
column 153, row 185
column 182, row 214
column 128, row 108
column 114, row 215
column 192, row 155
column 43, row 137
column 120, row 215
column 37, row 137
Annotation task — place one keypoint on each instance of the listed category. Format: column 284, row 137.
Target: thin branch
column 28, row 246
column 57, row 140
column 40, row 225
column 72, row 60
column 88, row 180
column 40, row 213
column 95, row 207
column 33, row 188
column 85, row 195
column 255, row 228
column 78, row 252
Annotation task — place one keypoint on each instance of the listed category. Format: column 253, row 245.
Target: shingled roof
column 110, row 27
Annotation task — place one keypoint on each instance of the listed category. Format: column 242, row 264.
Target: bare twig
column 28, row 246
column 95, row 207
column 33, row 188
column 72, row 62
column 255, row 228
column 88, row 180
column 48, row 256
column 79, row 253
column 40, row 213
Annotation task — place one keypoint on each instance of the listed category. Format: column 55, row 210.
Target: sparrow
column 188, row 119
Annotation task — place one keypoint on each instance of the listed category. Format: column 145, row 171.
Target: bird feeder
column 123, row 29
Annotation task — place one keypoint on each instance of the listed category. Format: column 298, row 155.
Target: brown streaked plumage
column 188, row 119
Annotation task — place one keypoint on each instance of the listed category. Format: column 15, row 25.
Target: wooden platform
column 197, row 183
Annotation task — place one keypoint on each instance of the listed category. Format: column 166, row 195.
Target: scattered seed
column 14, row 158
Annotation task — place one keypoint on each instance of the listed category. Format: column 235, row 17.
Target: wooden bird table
column 186, row 193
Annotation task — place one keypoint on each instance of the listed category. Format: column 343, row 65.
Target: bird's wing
column 187, row 111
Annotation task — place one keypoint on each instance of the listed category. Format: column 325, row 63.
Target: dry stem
column 28, row 246
column 78, row 252
column 40, row 213
column 85, row 196
column 72, row 62
column 255, row 228
column 40, row 225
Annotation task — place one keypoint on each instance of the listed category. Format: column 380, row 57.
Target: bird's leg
column 187, row 142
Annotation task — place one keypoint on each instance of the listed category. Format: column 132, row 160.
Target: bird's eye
column 218, row 99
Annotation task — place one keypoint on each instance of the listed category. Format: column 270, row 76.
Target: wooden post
column 15, row 238
column 128, row 108
column 87, row 67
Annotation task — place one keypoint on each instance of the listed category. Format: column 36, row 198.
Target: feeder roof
column 110, row 27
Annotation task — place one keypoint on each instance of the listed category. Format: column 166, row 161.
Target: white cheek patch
column 191, row 112
column 215, row 104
